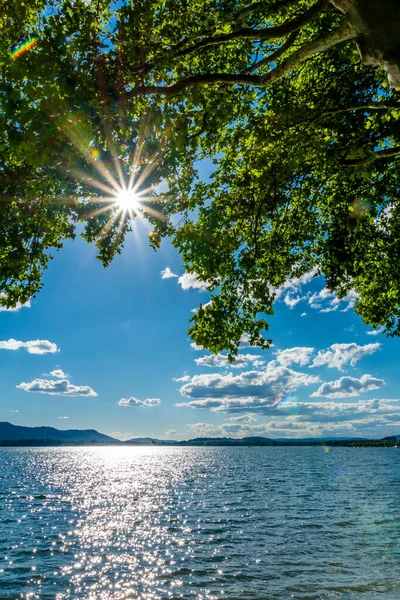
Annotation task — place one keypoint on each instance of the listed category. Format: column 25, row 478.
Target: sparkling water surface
column 262, row 523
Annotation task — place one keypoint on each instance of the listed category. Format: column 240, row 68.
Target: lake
column 238, row 523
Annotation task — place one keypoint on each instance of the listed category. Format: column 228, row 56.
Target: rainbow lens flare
column 23, row 46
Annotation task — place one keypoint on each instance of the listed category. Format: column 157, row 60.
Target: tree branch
column 269, row 33
column 274, row 55
column 309, row 49
column 352, row 107
column 379, row 155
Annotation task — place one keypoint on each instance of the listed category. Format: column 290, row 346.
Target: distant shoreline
column 33, row 443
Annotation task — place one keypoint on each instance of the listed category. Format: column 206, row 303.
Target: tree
column 295, row 101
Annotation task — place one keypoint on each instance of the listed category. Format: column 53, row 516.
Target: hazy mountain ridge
column 10, row 432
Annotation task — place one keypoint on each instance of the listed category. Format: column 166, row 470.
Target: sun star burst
column 127, row 200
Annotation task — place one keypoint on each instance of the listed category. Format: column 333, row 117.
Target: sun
column 127, row 200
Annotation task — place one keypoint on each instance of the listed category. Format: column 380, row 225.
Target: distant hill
column 149, row 440
column 15, row 433
column 391, row 438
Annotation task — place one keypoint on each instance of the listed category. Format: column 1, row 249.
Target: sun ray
column 99, row 211
column 94, row 182
column 138, row 150
column 155, row 213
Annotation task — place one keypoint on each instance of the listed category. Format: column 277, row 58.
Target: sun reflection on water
column 144, row 523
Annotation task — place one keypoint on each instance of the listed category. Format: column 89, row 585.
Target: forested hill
column 11, row 433
column 17, row 435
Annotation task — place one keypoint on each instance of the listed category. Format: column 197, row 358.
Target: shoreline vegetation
column 18, row 435
column 389, row 442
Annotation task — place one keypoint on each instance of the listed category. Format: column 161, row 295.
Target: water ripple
column 205, row 523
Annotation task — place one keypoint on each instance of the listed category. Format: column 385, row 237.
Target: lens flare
column 23, row 46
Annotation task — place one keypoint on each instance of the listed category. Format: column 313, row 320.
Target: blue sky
column 114, row 341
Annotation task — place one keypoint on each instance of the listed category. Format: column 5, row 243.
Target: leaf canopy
column 305, row 142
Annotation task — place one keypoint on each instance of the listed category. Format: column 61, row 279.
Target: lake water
column 237, row 523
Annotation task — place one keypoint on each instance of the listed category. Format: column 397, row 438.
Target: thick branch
column 379, row 155
column 271, row 58
column 376, row 23
column 353, row 107
column 309, row 49
column 269, row 33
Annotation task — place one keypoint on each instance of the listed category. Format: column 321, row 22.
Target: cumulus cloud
column 291, row 294
column 221, row 361
column 294, row 284
column 167, row 273
column 376, row 331
column 300, row 355
column 58, row 373
column 171, row 432
column 132, row 401
column 181, row 379
column 292, row 301
column 323, row 300
column 15, row 308
column 244, row 341
column 372, row 418
column 326, row 301
column 58, row 387
column 248, row 391
column 341, row 354
column 196, row 347
column 33, row 346
column 189, row 281
column 347, row 387
column 247, row 418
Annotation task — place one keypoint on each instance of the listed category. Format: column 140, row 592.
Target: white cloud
column 248, row 391
column 181, row 379
column 294, row 284
column 244, row 341
column 304, row 314
column 189, row 281
column 58, row 373
column 372, row 418
column 171, row 432
column 347, row 387
column 221, row 361
column 247, row 418
column 194, row 346
column 204, row 306
column 132, row 401
column 14, row 411
column 58, row 387
column 326, row 301
column 33, row 346
column 167, row 273
column 300, row 355
column 15, row 308
column 376, row 331
column 63, row 417
column 292, row 301
column 340, row 354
